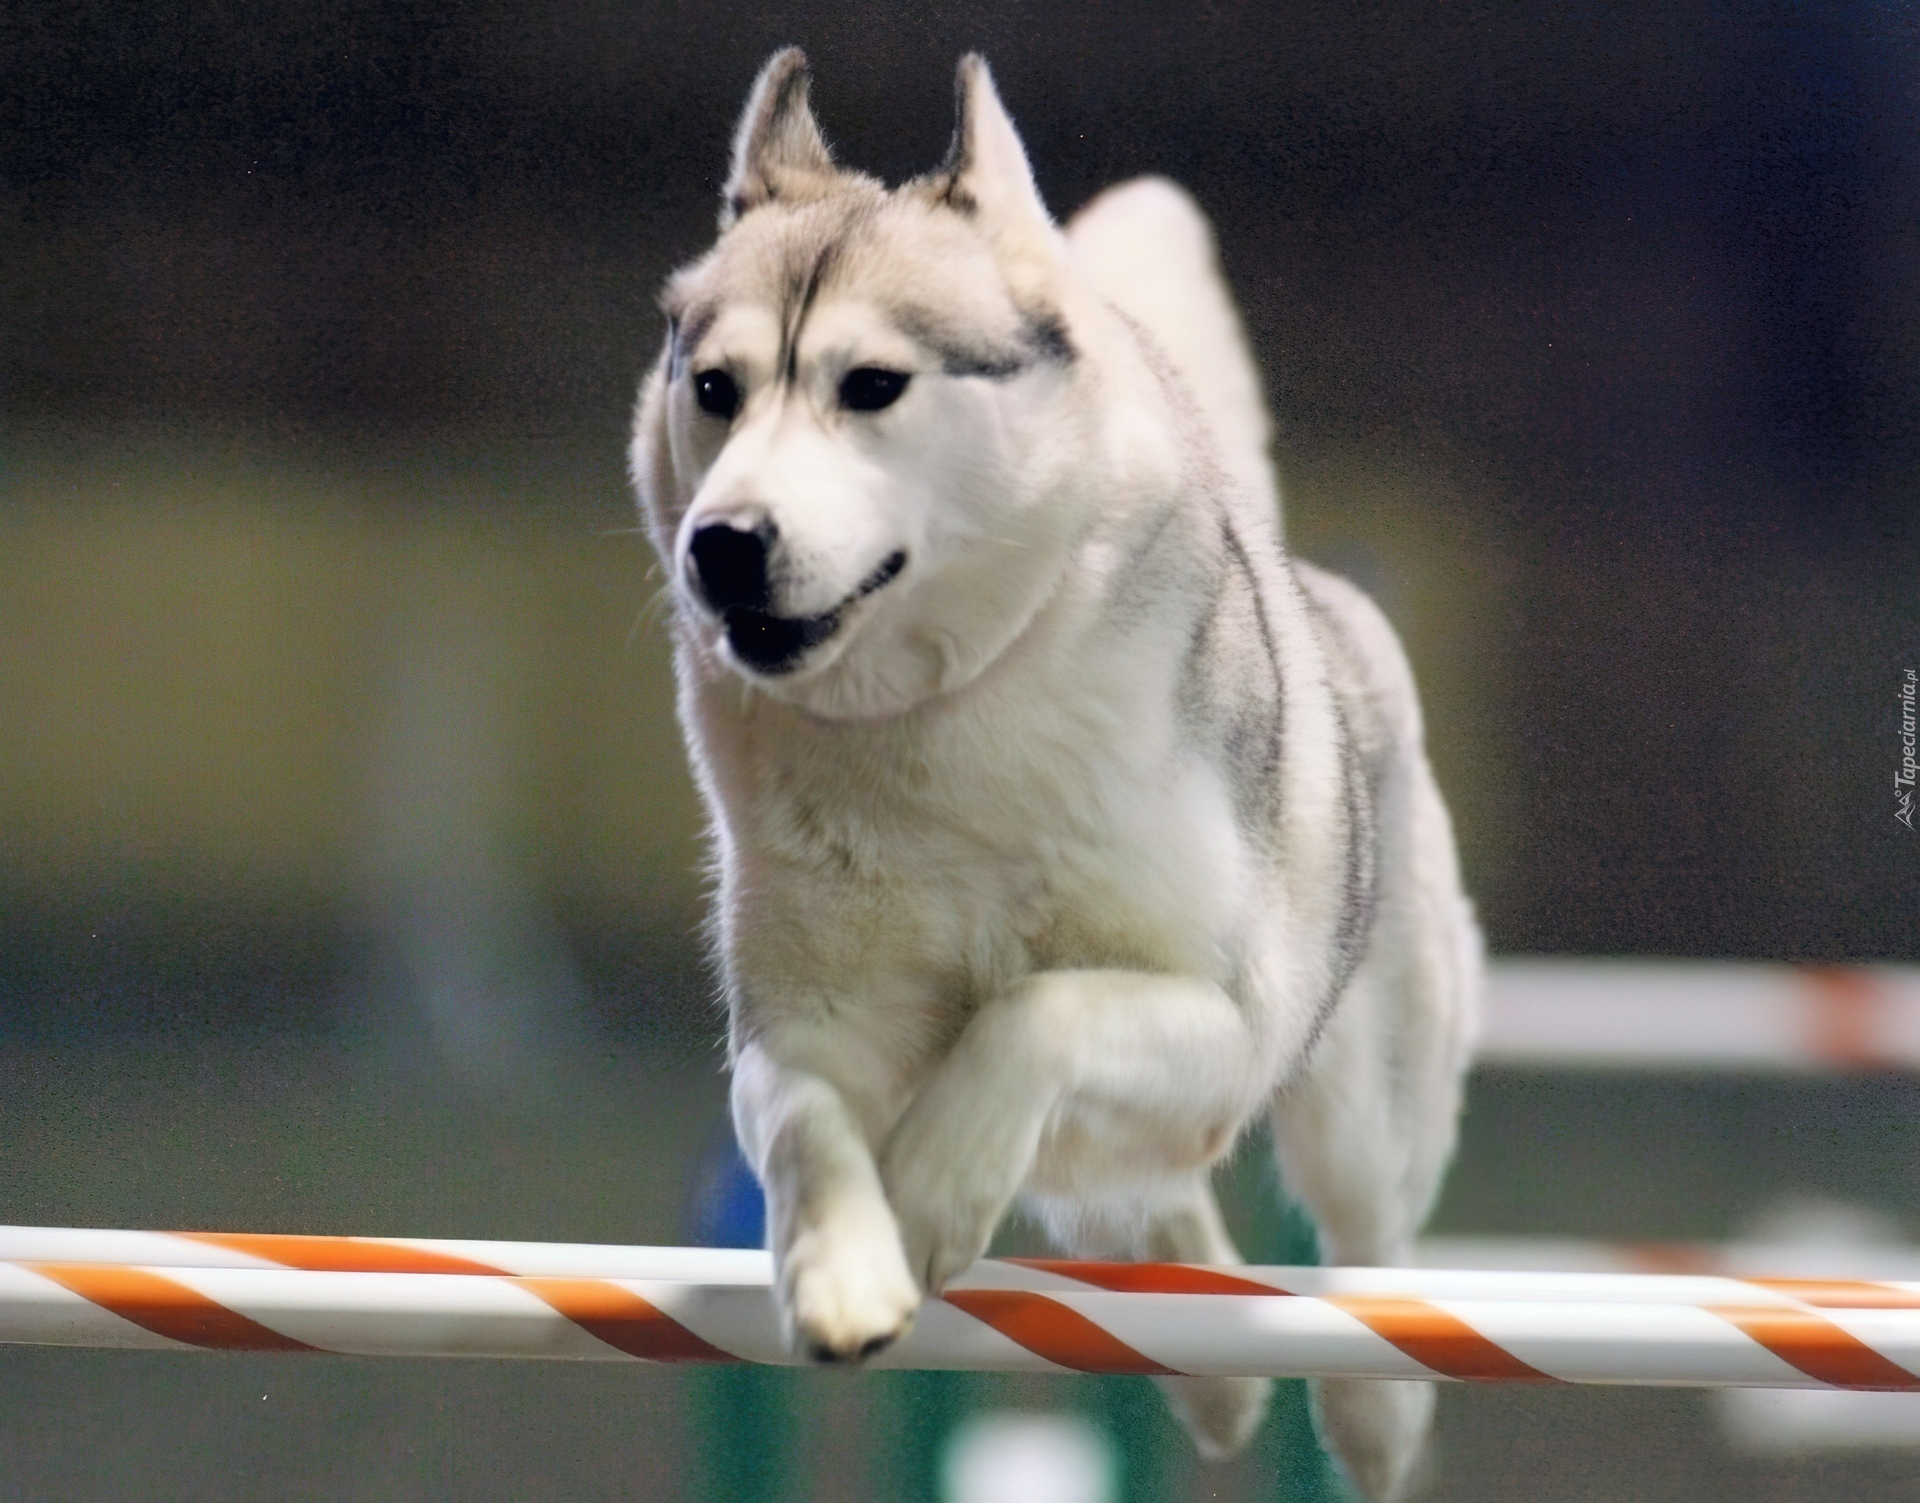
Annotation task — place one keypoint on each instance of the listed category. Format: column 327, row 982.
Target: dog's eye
column 870, row 388
column 716, row 393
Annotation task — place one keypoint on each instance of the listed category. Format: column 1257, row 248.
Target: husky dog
column 1063, row 824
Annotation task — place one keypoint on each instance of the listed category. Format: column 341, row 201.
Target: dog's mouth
column 773, row 645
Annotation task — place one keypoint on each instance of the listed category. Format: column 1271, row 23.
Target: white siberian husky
column 1063, row 824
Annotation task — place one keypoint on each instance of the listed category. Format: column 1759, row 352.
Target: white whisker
column 649, row 613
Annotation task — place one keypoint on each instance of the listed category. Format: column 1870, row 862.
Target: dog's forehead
column 774, row 256
column 916, row 268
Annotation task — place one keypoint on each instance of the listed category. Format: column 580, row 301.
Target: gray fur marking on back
column 1361, row 785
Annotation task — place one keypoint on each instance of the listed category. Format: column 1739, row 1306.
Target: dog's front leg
column 841, row 1281
column 1107, row 1077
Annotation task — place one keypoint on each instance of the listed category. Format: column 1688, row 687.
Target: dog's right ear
column 777, row 144
column 987, row 178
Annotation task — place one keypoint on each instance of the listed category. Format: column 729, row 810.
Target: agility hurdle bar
column 1699, row 1015
column 405, row 1297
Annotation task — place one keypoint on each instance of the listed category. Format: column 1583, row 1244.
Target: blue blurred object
column 724, row 1208
column 724, row 1205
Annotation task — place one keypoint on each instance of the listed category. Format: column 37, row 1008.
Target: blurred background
column 349, row 867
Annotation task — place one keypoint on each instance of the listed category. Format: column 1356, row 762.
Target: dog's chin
column 775, row 647
column 842, row 666
column 823, row 665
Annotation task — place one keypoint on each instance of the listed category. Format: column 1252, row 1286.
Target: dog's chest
column 1066, row 830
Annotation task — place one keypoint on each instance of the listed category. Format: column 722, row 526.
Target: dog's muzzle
column 729, row 567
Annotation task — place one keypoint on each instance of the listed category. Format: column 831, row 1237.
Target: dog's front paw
column 846, row 1293
column 946, row 1216
column 944, row 1239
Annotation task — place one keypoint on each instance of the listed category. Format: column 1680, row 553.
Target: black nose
column 730, row 565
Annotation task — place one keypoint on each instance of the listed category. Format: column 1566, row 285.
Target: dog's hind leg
column 1365, row 1128
column 1363, row 1136
column 1220, row 1414
column 1183, row 1225
column 1343, row 1155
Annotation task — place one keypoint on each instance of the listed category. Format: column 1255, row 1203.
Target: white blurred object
column 1783, row 1422
column 1788, row 1424
column 1791, row 1236
column 1818, row 1223
column 1700, row 1015
column 1014, row 1457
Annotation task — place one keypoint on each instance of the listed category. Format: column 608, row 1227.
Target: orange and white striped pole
column 400, row 1297
column 1699, row 1015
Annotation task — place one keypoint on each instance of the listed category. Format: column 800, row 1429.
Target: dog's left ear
column 777, row 147
column 986, row 176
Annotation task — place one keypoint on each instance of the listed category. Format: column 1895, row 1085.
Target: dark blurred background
column 348, row 862
column 1591, row 331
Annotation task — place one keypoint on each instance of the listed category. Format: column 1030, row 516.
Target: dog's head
column 853, row 450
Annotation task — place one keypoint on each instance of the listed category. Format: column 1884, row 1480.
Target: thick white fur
column 994, row 920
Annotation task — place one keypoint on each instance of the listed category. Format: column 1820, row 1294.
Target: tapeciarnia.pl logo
column 1903, row 779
